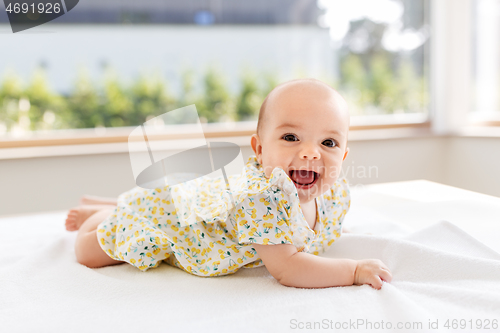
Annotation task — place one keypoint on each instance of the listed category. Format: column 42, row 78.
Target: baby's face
column 304, row 132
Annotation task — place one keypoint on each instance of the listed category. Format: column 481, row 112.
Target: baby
column 290, row 209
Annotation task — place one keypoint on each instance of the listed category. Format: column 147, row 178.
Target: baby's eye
column 290, row 137
column 329, row 143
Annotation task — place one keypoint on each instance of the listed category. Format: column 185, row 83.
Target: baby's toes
column 70, row 226
column 71, row 220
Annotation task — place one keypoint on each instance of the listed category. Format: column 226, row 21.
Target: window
column 381, row 48
column 486, row 63
column 223, row 56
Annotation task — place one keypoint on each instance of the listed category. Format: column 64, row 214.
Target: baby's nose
column 309, row 152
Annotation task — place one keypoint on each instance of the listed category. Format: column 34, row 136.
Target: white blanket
column 439, row 273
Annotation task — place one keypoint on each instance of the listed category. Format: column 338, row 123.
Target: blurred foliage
column 250, row 98
column 373, row 87
column 84, row 102
column 381, row 89
column 215, row 104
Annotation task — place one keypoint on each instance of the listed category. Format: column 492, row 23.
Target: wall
column 473, row 163
column 380, row 161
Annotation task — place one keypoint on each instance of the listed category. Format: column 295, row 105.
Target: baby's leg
column 94, row 200
column 87, row 249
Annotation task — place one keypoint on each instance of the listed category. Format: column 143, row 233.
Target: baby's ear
column 257, row 147
column 346, row 153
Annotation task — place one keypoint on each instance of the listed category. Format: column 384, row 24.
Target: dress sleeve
column 264, row 219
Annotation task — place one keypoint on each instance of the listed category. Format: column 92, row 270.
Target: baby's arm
column 305, row 270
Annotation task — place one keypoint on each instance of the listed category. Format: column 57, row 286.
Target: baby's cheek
column 328, row 183
column 334, row 173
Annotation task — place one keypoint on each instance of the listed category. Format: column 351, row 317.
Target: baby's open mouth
column 303, row 178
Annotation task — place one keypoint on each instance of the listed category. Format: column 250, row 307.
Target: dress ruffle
column 207, row 199
column 200, row 201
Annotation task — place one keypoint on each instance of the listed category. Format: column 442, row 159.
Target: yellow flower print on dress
column 189, row 227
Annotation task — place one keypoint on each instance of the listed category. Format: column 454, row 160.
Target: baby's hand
column 372, row 272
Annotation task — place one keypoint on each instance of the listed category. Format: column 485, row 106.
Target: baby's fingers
column 376, row 282
column 385, row 275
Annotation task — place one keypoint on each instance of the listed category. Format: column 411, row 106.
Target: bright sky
column 339, row 13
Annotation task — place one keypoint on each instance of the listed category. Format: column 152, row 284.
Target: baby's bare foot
column 94, row 200
column 78, row 215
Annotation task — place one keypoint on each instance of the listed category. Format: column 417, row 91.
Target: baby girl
column 290, row 208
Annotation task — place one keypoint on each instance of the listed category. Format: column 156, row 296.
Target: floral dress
column 208, row 229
